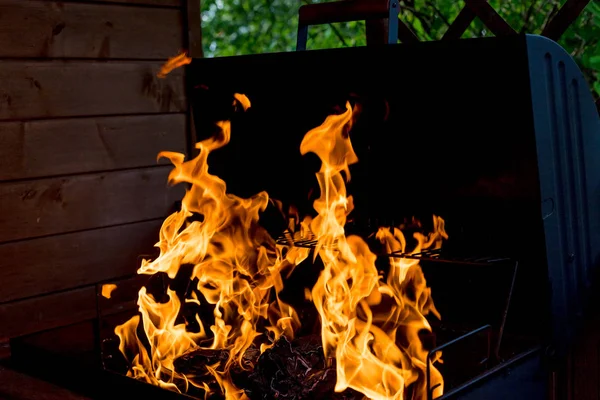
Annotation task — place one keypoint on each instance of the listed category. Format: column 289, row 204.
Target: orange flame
column 377, row 353
column 369, row 327
column 107, row 290
column 238, row 267
column 173, row 63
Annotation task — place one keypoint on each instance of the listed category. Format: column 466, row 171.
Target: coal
column 290, row 370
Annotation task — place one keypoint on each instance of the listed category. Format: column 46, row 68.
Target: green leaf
column 232, row 27
column 594, row 8
column 597, row 88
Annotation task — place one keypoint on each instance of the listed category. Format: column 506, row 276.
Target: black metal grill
column 433, row 255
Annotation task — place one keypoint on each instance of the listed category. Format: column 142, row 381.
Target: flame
column 107, row 289
column 370, row 327
column 237, row 266
column 173, row 63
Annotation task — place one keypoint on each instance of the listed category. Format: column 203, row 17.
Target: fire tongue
column 236, row 264
column 377, row 353
column 369, row 328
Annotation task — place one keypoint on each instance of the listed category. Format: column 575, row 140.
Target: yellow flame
column 378, row 353
column 238, row 267
column 107, row 289
column 369, row 327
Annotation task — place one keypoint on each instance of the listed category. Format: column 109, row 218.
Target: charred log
column 291, row 370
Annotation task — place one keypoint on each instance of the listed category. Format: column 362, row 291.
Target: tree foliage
column 233, row 27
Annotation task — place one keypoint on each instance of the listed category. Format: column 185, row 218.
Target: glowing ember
column 369, row 327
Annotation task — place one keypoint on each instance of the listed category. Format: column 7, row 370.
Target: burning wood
column 289, row 370
column 370, row 328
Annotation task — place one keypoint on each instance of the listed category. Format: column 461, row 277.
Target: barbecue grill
column 496, row 135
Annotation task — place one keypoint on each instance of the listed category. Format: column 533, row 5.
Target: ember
column 370, row 328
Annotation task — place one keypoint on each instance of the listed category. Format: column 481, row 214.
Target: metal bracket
column 347, row 11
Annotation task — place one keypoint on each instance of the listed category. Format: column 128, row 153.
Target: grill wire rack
column 439, row 256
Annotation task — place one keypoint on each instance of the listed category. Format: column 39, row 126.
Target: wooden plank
column 405, row 34
column 567, row 14
column 51, row 29
column 377, row 31
column 47, row 312
column 342, row 11
column 54, row 263
column 158, row 3
column 18, row 386
column 194, row 28
column 59, row 205
column 460, row 24
column 64, row 146
column 44, row 89
column 490, row 18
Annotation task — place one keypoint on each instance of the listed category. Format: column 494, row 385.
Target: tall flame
column 378, row 353
column 369, row 326
column 238, row 268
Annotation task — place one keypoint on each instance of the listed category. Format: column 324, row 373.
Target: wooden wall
column 82, row 117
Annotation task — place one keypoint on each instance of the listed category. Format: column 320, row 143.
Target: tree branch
column 527, row 17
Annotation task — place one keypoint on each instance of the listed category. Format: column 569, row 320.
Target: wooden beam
column 377, row 31
column 47, row 29
column 405, row 34
column 486, row 13
column 153, row 3
column 46, row 312
column 46, row 89
column 342, row 11
column 490, row 18
column 65, row 146
column 461, row 23
column 55, row 263
column 567, row 14
column 59, row 205
column 194, row 28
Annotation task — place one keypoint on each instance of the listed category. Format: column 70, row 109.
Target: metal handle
column 346, row 11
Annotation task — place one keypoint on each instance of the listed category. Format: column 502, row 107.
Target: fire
column 369, row 327
column 107, row 290
column 238, row 268
column 173, row 63
column 377, row 353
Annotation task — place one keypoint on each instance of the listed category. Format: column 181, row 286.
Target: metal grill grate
column 437, row 255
